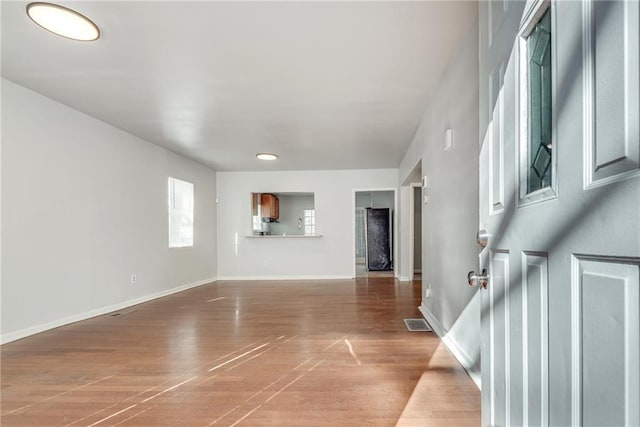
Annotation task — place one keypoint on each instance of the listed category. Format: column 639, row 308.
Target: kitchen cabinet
column 270, row 206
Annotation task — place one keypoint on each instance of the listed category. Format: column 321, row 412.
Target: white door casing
column 560, row 315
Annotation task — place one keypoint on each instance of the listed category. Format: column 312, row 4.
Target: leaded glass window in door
column 539, row 108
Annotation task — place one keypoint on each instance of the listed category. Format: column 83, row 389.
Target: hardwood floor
column 291, row 353
column 361, row 271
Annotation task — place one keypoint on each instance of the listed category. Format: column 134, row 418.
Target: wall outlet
column 427, row 293
column 134, row 279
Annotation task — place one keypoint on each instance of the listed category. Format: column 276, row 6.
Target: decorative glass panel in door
column 540, row 112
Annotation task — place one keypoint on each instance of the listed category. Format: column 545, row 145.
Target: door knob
column 475, row 279
column 482, row 238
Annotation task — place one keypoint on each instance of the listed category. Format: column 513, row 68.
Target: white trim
column 492, row 340
column 404, row 278
column 433, row 322
column 412, row 208
column 540, row 260
column 452, row 345
column 576, row 343
column 23, row 333
column 525, row 339
column 492, row 346
column 534, row 11
column 587, row 92
column 504, row 255
column 267, row 278
column 284, row 236
column 496, row 107
column 544, row 347
column 464, row 359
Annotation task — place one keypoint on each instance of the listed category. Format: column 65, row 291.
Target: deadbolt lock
column 476, row 279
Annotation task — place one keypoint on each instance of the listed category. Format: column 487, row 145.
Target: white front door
column 560, row 200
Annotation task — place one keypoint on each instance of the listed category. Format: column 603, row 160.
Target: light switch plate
column 448, row 140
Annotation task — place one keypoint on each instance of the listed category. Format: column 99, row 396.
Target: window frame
column 172, row 212
column 312, row 220
column 531, row 17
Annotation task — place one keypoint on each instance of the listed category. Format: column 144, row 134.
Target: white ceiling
column 326, row 85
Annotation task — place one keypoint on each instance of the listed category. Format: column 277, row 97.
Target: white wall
column 450, row 218
column 375, row 199
column 329, row 256
column 84, row 207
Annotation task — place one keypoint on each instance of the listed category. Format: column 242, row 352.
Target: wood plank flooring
column 290, row 353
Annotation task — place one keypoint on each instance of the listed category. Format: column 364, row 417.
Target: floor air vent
column 417, row 325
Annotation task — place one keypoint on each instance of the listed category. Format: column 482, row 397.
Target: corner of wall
column 454, row 313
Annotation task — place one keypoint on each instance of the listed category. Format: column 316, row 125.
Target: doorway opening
column 412, row 263
column 374, row 233
column 415, row 272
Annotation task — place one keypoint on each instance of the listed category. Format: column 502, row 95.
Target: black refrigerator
column 378, row 239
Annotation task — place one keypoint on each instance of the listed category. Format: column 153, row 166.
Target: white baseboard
column 403, row 278
column 267, row 278
column 23, row 333
column 455, row 349
column 433, row 322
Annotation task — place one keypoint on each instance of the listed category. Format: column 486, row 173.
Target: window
column 309, row 222
column 180, row 213
column 536, row 57
column 539, row 105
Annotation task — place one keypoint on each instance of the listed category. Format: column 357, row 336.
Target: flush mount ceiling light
column 267, row 156
column 63, row 21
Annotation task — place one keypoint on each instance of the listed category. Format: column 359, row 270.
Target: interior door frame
column 394, row 229
column 412, row 208
column 364, row 227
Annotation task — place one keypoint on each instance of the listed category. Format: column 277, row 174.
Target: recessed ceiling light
column 63, row 21
column 266, row 156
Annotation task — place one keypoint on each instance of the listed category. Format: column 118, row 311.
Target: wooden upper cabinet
column 254, row 204
column 270, row 206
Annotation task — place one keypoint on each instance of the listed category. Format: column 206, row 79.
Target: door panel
column 606, row 353
column 612, row 61
column 535, row 328
column 499, row 291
